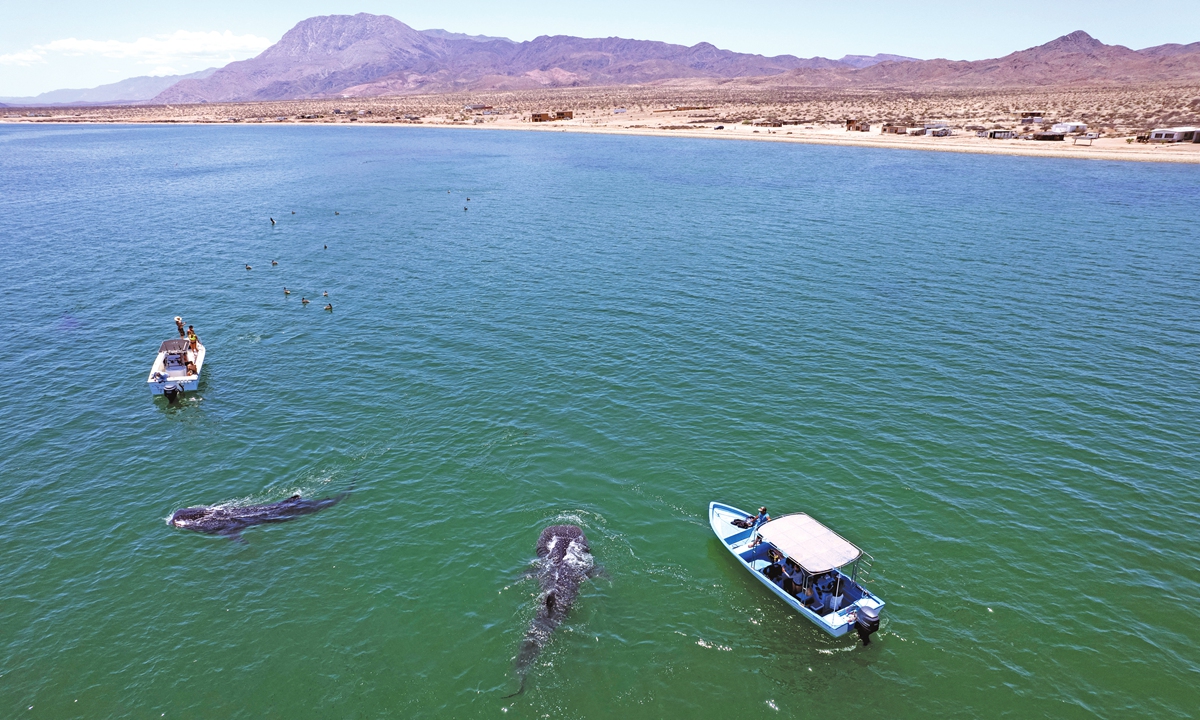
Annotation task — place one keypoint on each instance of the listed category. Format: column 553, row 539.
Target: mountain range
column 364, row 55
column 1077, row 59
column 368, row 55
column 130, row 90
column 372, row 55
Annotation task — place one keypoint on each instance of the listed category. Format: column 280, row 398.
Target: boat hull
column 162, row 376
column 737, row 541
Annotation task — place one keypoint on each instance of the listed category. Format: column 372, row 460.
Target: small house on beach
column 552, row 116
column 1067, row 128
column 890, row 129
column 1175, row 135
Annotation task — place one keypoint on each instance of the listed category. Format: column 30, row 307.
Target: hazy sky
column 51, row 44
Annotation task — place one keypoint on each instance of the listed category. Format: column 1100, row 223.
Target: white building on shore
column 1175, row 135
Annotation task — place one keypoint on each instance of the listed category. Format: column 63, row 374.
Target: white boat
column 176, row 369
column 810, row 567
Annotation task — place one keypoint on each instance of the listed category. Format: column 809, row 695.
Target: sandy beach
column 733, row 112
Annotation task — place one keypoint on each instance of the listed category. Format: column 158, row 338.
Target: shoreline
column 1012, row 148
column 1111, row 149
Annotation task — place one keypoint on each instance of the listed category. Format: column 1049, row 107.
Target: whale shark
column 564, row 561
column 230, row 520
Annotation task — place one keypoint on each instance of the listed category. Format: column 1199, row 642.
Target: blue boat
column 810, row 567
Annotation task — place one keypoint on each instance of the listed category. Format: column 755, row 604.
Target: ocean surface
column 982, row 370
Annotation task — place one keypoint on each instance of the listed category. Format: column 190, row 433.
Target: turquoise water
column 980, row 369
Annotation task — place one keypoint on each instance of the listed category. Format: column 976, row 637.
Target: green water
column 982, row 370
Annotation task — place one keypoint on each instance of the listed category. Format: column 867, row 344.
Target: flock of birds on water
column 304, row 300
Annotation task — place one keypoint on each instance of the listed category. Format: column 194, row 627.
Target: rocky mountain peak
column 334, row 34
column 1078, row 41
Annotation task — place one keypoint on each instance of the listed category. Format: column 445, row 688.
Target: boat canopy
column 808, row 543
column 174, row 345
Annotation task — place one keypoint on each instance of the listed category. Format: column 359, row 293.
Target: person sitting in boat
column 824, row 584
column 191, row 368
column 836, row 595
column 774, row 571
column 806, row 596
column 754, row 520
column 793, row 578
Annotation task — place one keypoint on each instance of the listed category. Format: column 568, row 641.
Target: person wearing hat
column 757, row 522
column 179, row 324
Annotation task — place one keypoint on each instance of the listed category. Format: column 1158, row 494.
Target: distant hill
column 445, row 35
column 1170, row 49
column 862, row 61
column 1071, row 60
column 131, row 90
column 378, row 55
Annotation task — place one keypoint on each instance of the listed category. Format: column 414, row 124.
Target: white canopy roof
column 807, row 542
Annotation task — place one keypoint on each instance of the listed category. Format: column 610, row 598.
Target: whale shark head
column 560, row 541
column 188, row 516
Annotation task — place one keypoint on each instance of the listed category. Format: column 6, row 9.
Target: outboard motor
column 867, row 623
column 172, row 391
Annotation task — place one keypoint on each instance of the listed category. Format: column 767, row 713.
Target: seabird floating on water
column 329, row 307
column 286, row 291
column 335, row 212
column 325, row 294
column 249, row 268
column 272, row 220
column 304, row 300
column 274, row 262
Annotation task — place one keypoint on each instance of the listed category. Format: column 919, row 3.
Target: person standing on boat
column 179, row 324
column 192, row 339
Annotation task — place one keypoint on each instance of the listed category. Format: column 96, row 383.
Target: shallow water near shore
column 982, row 370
